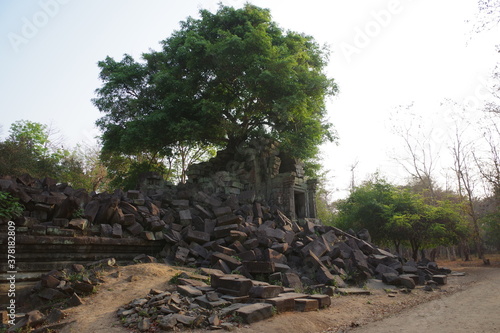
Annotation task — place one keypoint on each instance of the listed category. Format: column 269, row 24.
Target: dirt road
column 473, row 306
column 475, row 309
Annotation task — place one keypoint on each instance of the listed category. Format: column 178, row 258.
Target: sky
column 385, row 55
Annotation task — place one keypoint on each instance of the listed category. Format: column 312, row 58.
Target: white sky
column 385, row 53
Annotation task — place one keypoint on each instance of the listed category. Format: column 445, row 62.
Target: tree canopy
column 221, row 79
column 398, row 216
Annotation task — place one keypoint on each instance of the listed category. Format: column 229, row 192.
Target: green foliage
column 29, row 149
column 175, row 278
column 9, row 207
column 325, row 208
column 368, row 206
column 78, row 214
column 220, row 80
column 32, row 135
column 398, row 216
column 491, row 223
column 127, row 176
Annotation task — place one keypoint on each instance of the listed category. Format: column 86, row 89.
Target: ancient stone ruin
column 246, row 220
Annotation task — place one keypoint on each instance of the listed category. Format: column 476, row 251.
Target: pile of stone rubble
column 229, row 300
column 258, row 260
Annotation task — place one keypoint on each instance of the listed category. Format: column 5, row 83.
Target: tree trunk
column 414, row 248
column 433, row 254
column 466, row 251
column 397, row 246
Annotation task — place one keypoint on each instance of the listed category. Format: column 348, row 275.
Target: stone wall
column 258, row 171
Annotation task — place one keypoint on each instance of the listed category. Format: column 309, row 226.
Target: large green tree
column 221, row 79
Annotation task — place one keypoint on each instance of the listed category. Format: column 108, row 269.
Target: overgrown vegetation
column 9, row 206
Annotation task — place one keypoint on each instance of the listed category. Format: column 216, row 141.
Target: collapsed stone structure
column 251, row 213
column 255, row 170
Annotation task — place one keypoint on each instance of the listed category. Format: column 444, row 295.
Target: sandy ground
column 98, row 314
column 470, row 303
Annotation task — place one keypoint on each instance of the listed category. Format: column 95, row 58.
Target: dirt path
column 98, row 314
column 476, row 309
column 476, row 296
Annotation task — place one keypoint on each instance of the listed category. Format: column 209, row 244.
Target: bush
column 9, row 207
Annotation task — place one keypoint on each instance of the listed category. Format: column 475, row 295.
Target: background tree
column 368, row 206
column 421, row 153
column 489, row 15
column 394, row 215
column 28, row 149
column 462, row 152
column 184, row 155
column 220, row 80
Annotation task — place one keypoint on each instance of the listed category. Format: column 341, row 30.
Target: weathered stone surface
column 292, row 280
column 206, row 303
column 181, row 254
column 259, row 266
column 440, row 279
column 106, row 230
column 285, row 301
column 390, row 278
column 148, row 235
column 49, row 281
column 221, row 211
column 196, row 236
column 255, row 312
column 185, row 217
column 324, row 301
column 54, row 316
column 228, row 219
column 265, row 291
column 274, row 256
column 325, row 277
column 117, row 231
column 83, row 287
column 414, row 277
column 79, row 224
column 168, row 322
column 51, row 294
column 306, row 304
column 381, row 269
column 135, row 229
column 198, row 250
column 222, row 249
column 210, row 271
column 233, row 263
column 60, row 222
column 144, row 324
column 39, row 230
column 225, row 230
column 406, row 282
column 318, row 247
column 234, row 286
column 128, row 219
column 222, row 266
column 409, row 269
column 189, row 291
